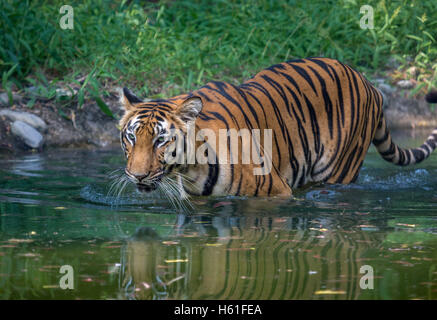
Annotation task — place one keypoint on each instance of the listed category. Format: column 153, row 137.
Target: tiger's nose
column 137, row 177
column 140, row 178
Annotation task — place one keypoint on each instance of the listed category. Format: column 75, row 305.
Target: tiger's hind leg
column 348, row 170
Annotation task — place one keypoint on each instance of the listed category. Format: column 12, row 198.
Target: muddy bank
column 71, row 126
column 89, row 127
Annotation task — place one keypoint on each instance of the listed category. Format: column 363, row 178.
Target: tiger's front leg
column 268, row 184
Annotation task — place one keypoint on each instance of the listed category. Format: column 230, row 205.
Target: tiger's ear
column 128, row 99
column 190, row 108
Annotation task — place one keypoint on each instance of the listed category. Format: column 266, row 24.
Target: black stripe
column 326, row 100
column 304, row 75
column 347, row 166
column 285, row 134
column 211, row 181
column 221, row 89
column 323, row 65
column 200, row 93
column 378, row 142
column 418, row 154
column 391, row 150
column 221, row 118
column 340, row 94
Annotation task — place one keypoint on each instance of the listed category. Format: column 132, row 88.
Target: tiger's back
column 323, row 115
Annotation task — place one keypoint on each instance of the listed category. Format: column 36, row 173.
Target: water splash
column 95, row 194
column 418, row 178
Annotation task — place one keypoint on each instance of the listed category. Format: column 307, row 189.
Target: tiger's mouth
column 153, row 185
column 146, row 188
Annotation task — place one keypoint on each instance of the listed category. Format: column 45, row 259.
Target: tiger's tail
column 399, row 156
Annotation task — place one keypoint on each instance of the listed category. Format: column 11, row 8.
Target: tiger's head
column 147, row 132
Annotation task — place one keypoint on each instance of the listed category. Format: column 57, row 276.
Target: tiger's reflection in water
column 243, row 257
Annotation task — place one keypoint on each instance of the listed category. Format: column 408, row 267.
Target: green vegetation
column 168, row 47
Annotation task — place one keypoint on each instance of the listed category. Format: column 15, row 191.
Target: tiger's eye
column 131, row 136
column 161, row 139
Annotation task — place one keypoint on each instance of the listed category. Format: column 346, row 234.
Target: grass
column 164, row 48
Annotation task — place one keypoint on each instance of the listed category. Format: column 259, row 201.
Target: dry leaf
column 176, row 260
column 330, row 292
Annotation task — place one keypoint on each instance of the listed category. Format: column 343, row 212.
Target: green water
column 55, row 211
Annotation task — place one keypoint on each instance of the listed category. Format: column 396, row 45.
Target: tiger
column 323, row 115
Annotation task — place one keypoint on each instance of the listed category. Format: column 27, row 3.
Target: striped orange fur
column 323, row 114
